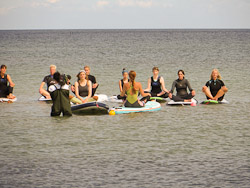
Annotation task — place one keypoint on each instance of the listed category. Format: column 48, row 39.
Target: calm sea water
column 202, row 146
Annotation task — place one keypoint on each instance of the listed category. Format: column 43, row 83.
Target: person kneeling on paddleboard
column 181, row 85
column 157, row 85
column 131, row 89
column 6, row 89
column 215, row 88
column 59, row 93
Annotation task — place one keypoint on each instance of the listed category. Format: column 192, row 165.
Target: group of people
column 58, row 87
column 214, row 89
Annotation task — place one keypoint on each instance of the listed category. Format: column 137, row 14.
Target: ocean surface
column 202, row 146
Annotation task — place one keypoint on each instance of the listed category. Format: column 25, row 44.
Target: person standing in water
column 181, row 85
column 6, row 84
column 122, row 82
column 156, row 85
column 49, row 80
column 131, row 89
column 92, row 79
column 215, row 88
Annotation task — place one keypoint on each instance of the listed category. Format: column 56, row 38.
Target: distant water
column 202, row 146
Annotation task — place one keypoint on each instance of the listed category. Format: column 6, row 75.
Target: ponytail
column 132, row 75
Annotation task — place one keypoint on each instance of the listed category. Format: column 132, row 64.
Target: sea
column 183, row 146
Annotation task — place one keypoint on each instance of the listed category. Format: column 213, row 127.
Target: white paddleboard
column 8, row 100
column 172, row 102
column 115, row 99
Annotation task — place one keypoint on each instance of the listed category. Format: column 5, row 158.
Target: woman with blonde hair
column 83, row 87
column 131, row 89
column 215, row 88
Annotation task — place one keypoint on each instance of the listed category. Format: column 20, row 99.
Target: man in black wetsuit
column 6, row 89
column 92, row 79
column 49, row 80
column 215, row 88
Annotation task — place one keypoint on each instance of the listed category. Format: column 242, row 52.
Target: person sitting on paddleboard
column 92, row 79
column 181, row 85
column 215, row 88
column 157, row 85
column 122, row 82
column 59, row 92
column 6, row 84
column 131, row 89
column 83, row 88
column 49, row 80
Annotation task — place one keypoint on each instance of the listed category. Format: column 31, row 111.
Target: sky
column 124, row 14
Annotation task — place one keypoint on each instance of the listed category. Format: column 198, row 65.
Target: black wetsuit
column 5, row 89
column 60, row 98
column 215, row 86
column 181, row 88
column 119, row 96
column 156, row 88
column 93, row 80
column 49, row 80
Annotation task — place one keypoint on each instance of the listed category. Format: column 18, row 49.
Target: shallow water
column 202, row 146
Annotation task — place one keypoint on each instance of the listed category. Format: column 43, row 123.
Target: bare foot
column 95, row 97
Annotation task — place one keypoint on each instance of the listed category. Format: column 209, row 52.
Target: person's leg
column 9, row 93
column 120, row 97
column 165, row 95
column 177, row 99
column 219, row 95
column 45, row 94
column 207, row 92
column 94, row 90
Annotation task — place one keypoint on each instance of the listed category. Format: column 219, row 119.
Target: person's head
column 57, row 77
column 52, row 69
column 124, row 73
column 3, row 69
column 87, row 70
column 181, row 74
column 155, row 71
column 215, row 74
column 68, row 79
column 82, row 75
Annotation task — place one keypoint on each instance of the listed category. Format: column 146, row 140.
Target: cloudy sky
column 120, row 14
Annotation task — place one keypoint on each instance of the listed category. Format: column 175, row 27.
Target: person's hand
column 94, row 85
column 170, row 95
column 193, row 93
column 84, row 101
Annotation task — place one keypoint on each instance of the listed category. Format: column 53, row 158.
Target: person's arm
column 120, row 85
column 223, row 87
column 41, row 88
column 142, row 92
column 190, row 88
column 94, row 84
column 163, row 85
column 89, row 84
column 10, row 81
column 122, row 94
column 149, row 85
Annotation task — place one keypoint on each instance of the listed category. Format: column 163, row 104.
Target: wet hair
column 181, row 71
column 124, row 70
column 78, row 75
column 218, row 77
column 3, row 66
column 132, row 75
column 155, row 68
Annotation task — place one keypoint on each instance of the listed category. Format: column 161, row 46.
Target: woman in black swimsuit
column 122, row 82
column 181, row 85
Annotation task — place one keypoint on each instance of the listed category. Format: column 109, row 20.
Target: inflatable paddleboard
column 115, row 99
column 224, row 101
column 149, row 107
column 172, row 102
column 159, row 99
column 90, row 108
column 8, row 100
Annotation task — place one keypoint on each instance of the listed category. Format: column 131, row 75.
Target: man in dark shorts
column 49, row 80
